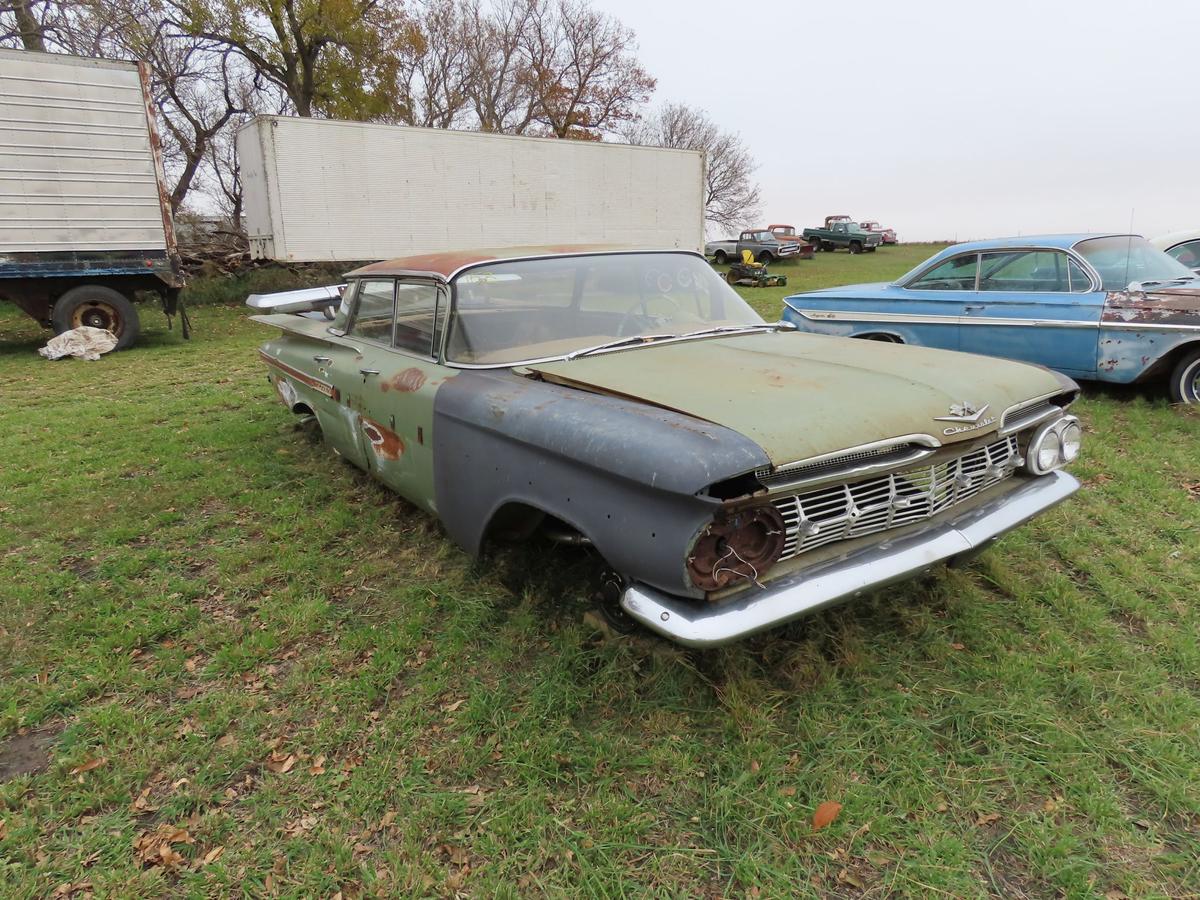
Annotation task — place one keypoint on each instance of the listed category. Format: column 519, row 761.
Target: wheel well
column 885, row 337
column 1165, row 364
column 303, row 409
column 513, row 521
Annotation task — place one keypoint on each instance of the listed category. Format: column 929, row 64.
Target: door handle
column 365, row 372
column 974, row 308
column 323, row 359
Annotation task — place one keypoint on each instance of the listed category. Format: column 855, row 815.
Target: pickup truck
column 888, row 234
column 788, row 233
column 838, row 233
column 764, row 245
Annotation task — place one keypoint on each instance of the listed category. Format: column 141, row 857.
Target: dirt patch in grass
column 27, row 754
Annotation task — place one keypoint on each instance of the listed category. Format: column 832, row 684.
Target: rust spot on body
column 406, row 382
column 385, row 443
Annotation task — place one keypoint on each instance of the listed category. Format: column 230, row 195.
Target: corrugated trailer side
column 327, row 190
column 76, row 166
column 85, row 219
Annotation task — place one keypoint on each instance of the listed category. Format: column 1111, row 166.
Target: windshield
column 1124, row 259
column 509, row 312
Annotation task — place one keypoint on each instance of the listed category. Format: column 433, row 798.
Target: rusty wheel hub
column 97, row 314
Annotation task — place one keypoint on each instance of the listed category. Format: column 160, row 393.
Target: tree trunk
column 27, row 27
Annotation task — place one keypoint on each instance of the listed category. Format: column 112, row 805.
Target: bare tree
column 731, row 198
column 500, row 82
column 586, row 78
column 437, row 75
column 25, row 24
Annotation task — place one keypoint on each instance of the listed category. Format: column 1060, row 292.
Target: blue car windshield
column 1124, row 259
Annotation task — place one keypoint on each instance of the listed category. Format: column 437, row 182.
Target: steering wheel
column 644, row 304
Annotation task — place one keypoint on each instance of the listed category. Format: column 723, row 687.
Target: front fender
column 628, row 475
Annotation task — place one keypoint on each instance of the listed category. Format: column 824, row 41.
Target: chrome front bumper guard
column 696, row 624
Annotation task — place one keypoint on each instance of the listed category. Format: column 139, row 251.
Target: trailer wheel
column 97, row 307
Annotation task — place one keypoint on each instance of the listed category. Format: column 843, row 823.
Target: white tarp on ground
column 83, row 342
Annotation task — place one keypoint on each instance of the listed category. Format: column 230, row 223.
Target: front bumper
column 808, row 591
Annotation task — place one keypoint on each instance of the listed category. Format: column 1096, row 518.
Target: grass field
column 231, row 664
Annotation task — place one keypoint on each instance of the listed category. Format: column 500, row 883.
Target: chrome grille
column 841, row 511
column 795, row 471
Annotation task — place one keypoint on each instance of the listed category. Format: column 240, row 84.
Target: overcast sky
column 944, row 119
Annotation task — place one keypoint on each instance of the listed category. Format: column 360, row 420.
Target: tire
column 828, row 247
column 855, row 247
column 1185, row 380
column 720, row 258
column 99, row 307
column 765, row 258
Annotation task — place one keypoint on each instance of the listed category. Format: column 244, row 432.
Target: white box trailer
column 85, row 219
column 317, row 189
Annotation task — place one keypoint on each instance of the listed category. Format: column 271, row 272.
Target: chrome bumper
column 696, row 624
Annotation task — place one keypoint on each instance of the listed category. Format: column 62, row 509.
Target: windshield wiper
column 622, row 342
column 726, row 329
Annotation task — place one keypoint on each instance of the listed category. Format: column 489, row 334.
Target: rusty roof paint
column 447, row 263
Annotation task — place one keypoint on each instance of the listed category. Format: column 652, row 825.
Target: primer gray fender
column 625, row 474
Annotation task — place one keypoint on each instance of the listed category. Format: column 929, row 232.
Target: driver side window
column 955, row 274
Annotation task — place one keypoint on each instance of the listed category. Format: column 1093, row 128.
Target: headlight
column 737, row 548
column 1054, row 445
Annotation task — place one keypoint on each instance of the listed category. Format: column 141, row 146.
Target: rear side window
column 1024, row 271
column 957, row 274
column 416, row 311
column 374, row 310
column 1080, row 282
column 1187, row 253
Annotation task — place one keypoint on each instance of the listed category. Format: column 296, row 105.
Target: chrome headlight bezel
column 1060, row 434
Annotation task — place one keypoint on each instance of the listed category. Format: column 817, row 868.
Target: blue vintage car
column 1104, row 307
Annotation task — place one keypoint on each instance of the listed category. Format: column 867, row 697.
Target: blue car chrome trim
column 831, row 315
column 846, row 578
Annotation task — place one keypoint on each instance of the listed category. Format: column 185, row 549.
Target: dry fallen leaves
column 317, row 767
column 71, row 888
column 212, row 856
column 89, row 765
column 281, row 763
column 142, row 803
column 825, row 814
column 987, row 819
column 3, row 829
column 453, row 707
column 155, row 848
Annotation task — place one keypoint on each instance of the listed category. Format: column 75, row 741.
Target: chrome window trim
column 1068, row 292
column 1070, row 251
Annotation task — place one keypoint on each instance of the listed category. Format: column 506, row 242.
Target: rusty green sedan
column 733, row 474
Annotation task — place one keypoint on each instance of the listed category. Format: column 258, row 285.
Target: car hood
column 799, row 395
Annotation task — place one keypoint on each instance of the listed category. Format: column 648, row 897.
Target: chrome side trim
column 697, row 624
column 1144, row 326
column 840, row 315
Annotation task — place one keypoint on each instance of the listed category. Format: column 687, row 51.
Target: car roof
column 1056, row 241
column 446, row 264
column 1163, row 241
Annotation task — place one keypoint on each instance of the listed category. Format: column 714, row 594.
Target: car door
column 352, row 363
column 1035, row 305
column 396, row 415
column 928, row 307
